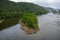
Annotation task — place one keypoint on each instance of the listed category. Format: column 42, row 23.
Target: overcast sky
column 46, row 3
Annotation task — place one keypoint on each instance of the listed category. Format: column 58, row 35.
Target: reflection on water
column 8, row 23
column 49, row 30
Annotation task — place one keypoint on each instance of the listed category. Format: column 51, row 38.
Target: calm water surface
column 49, row 25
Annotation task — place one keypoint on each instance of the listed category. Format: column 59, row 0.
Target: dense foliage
column 11, row 9
column 8, row 9
column 26, row 11
column 30, row 20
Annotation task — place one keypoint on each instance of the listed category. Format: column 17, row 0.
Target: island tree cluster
column 30, row 20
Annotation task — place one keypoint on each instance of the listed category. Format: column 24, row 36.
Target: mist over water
column 49, row 25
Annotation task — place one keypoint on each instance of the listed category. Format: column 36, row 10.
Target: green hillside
column 10, row 9
column 11, row 12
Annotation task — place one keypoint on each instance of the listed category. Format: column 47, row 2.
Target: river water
column 49, row 25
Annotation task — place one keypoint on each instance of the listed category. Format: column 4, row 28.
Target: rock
column 1, row 21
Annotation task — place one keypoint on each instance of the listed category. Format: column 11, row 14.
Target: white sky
column 46, row 3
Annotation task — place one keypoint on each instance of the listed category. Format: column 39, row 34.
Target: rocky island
column 29, row 23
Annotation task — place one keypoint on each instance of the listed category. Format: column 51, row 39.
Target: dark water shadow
column 8, row 23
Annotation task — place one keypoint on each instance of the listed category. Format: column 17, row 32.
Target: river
column 49, row 25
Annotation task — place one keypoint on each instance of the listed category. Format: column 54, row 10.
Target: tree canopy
column 10, row 9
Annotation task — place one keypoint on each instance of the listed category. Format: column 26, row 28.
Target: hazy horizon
column 46, row 3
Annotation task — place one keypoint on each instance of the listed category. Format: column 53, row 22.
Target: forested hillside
column 10, row 9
